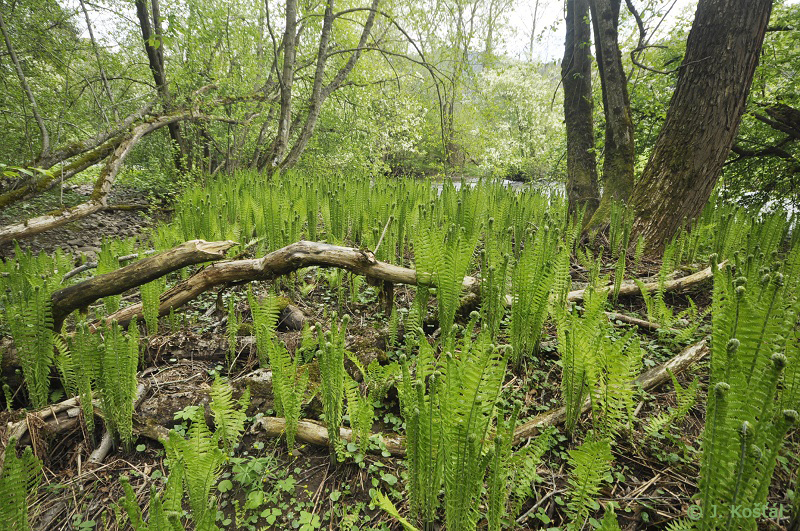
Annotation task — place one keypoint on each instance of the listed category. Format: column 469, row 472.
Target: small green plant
column 20, row 476
column 331, row 365
column 118, row 379
column 590, row 463
column 229, row 421
column 685, row 398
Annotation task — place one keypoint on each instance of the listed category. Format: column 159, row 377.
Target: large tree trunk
column 582, row 191
column 703, row 117
column 618, row 159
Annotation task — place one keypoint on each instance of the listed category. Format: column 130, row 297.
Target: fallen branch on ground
column 79, row 295
column 64, row 416
column 648, row 380
column 360, row 261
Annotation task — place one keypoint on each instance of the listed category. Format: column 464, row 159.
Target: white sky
column 550, row 29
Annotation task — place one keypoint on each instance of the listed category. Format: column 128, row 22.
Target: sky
column 550, row 28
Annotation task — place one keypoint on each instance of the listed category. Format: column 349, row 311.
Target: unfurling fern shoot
column 331, row 365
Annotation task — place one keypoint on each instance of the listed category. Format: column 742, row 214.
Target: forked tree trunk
column 618, row 158
column 703, row 117
column 576, row 73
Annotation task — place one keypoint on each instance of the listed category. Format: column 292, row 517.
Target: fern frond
column 228, row 420
column 589, row 464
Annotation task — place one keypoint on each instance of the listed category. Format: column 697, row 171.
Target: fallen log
column 315, row 432
column 65, row 301
column 647, row 381
column 360, row 261
column 627, row 319
column 677, row 285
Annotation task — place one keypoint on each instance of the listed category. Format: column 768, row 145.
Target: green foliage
column 331, row 367
column 228, row 420
column 20, row 476
column 117, row 380
column 596, row 365
column 199, row 460
column 289, row 378
column 151, row 292
column 447, row 427
column 532, row 282
column 232, row 329
column 747, row 418
column 361, row 413
column 685, row 398
column 589, row 463
column 31, row 326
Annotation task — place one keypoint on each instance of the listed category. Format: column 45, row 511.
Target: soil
column 654, row 480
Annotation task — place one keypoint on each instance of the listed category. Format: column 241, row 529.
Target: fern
column 83, row 351
column 228, row 420
column 151, row 293
column 532, row 282
column 589, row 463
column 31, row 323
column 232, row 330
column 746, row 419
column 265, row 320
column 386, row 504
column 684, row 397
column 471, row 387
column 200, row 460
column 289, row 384
column 331, row 365
column 361, row 413
column 118, row 379
column 20, row 476
column 523, row 464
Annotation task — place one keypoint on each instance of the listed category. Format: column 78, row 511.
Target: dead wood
column 641, row 323
column 63, row 416
column 315, row 432
column 360, row 261
column 677, row 285
column 647, row 381
column 82, row 294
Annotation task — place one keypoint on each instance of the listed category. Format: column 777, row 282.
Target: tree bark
column 286, row 80
column 321, row 92
column 155, row 59
column 82, row 294
column 582, row 189
column 703, row 117
column 362, row 262
column 619, row 155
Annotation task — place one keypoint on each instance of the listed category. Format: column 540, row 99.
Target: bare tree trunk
column 619, row 156
column 286, row 80
column 576, row 73
column 321, row 92
column 45, row 150
column 155, row 58
column 703, row 117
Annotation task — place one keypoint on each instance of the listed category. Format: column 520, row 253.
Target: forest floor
column 653, row 478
